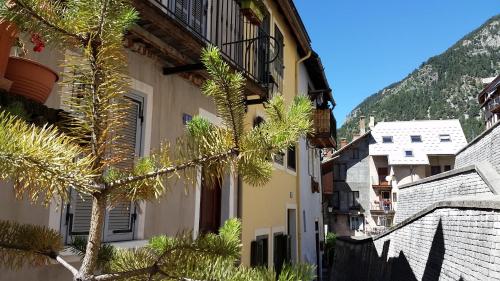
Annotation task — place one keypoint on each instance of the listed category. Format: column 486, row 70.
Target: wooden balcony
column 324, row 129
column 494, row 105
column 176, row 31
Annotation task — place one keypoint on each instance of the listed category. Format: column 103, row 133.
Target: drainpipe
column 298, row 166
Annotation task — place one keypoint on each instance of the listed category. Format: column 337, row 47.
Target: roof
column 345, row 147
column 431, row 144
column 487, row 92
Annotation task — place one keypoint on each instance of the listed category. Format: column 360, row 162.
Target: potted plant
column 31, row 79
column 253, row 10
column 8, row 33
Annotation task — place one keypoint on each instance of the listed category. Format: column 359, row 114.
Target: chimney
column 372, row 122
column 362, row 129
column 343, row 142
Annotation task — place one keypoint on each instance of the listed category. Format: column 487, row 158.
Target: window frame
column 416, row 138
column 387, row 139
column 291, row 151
column 445, row 138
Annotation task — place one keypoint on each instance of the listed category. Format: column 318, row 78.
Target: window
column 435, row 170
column 447, row 168
column 445, row 138
column 339, row 172
column 354, row 202
column 279, row 48
column 408, row 153
column 355, row 153
column 186, row 118
column 335, row 200
column 387, row 139
column 416, row 138
column 119, row 220
column 357, row 223
column 304, row 220
column 290, row 159
column 258, row 251
column 279, row 158
column 258, row 121
column 394, row 197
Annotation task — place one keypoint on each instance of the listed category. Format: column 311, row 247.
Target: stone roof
column 433, row 133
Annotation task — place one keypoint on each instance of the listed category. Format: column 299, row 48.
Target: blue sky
column 365, row 45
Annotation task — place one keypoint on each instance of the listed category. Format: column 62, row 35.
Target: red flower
column 37, row 40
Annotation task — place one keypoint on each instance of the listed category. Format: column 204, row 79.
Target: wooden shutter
column 182, row 10
column 198, row 16
column 253, row 254
column 120, row 218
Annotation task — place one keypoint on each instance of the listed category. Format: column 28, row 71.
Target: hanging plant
column 253, row 10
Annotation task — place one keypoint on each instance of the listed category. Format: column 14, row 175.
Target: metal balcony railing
column 247, row 47
column 382, row 206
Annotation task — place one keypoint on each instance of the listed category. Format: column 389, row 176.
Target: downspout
column 298, row 164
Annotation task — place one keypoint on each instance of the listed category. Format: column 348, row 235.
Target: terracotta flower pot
column 30, row 79
column 8, row 33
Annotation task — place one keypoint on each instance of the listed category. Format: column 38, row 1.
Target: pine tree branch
column 68, row 266
column 46, row 22
column 171, row 169
column 124, row 274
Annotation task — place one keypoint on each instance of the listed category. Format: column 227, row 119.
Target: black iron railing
column 247, row 47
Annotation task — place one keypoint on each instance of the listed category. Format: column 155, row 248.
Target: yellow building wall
column 264, row 209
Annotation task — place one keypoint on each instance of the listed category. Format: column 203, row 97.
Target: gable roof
column 345, row 147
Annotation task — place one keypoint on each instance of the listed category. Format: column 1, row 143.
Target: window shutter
column 253, row 254
column 78, row 216
column 288, row 242
column 182, row 10
column 198, row 17
column 121, row 217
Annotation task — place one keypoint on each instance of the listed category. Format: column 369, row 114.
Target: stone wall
column 452, row 240
column 418, row 195
column 483, row 148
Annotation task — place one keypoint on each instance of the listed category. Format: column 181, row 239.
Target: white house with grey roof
column 368, row 170
column 405, row 151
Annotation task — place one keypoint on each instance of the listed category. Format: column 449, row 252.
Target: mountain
column 444, row 87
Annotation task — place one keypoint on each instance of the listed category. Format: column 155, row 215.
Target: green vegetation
column 444, row 87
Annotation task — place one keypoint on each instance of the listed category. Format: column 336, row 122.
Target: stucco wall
column 444, row 244
column 417, row 196
column 310, row 203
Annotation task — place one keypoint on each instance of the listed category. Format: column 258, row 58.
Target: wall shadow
column 358, row 260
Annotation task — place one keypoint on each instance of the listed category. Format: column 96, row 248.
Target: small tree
column 44, row 162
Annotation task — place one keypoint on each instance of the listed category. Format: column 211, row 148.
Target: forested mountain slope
column 444, row 87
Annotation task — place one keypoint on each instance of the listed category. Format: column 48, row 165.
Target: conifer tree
column 45, row 162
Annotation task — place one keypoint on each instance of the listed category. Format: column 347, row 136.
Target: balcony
column 381, row 183
column 382, row 207
column 177, row 31
column 493, row 105
column 324, row 129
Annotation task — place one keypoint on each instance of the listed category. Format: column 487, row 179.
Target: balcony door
column 382, row 176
